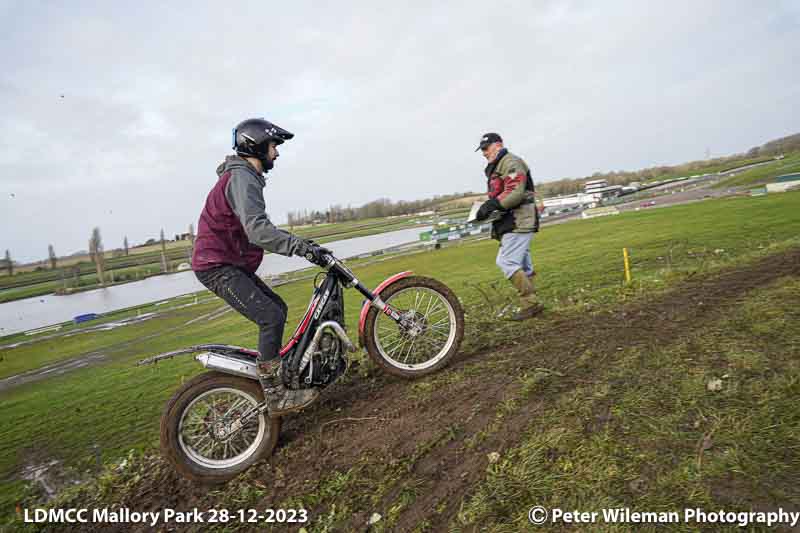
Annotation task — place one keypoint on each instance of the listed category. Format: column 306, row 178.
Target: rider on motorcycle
column 232, row 234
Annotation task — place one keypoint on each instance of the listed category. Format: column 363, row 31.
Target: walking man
column 511, row 195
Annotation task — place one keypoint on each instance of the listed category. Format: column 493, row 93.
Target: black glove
column 488, row 207
column 313, row 252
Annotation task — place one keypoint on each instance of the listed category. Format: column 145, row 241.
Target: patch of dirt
column 378, row 422
column 737, row 491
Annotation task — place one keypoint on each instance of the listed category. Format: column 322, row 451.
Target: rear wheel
column 429, row 334
column 197, row 420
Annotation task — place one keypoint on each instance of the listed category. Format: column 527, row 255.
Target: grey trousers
column 250, row 296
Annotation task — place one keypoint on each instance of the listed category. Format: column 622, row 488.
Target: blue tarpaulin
column 85, row 318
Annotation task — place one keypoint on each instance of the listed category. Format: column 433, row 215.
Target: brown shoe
column 280, row 400
column 269, row 373
column 528, row 303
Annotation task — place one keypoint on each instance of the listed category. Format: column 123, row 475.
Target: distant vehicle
column 648, row 204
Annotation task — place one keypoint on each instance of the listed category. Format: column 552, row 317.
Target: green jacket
column 509, row 181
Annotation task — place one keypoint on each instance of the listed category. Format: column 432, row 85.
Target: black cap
column 487, row 139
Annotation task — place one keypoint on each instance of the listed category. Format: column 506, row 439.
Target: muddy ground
column 378, row 423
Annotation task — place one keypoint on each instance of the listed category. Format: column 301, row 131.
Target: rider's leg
column 270, row 322
column 282, row 400
column 252, row 298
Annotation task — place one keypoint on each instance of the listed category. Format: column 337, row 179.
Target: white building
column 569, row 200
column 591, row 186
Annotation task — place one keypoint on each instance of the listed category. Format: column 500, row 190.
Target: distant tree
column 787, row 144
column 163, row 252
column 125, row 245
column 96, row 253
column 52, row 253
column 9, row 263
column 190, row 251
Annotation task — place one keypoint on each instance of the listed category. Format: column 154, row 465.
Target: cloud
column 385, row 100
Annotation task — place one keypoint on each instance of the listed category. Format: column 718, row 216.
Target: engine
column 328, row 361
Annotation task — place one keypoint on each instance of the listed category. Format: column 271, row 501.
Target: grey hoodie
column 245, row 195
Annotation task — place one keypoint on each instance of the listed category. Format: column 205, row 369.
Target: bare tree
column 191, row 240
column 125, row 244
column 96, row 253
column 52, row 253
column 9, row 263
column 163, row 252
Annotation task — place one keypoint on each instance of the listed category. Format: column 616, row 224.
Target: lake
column 31, row 313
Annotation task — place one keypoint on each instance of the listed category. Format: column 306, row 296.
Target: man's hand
column 488, row 207
column 313, row 252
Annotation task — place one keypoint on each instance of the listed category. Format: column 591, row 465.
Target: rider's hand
column 319, row 255
column 488, row 207
column 313, row 252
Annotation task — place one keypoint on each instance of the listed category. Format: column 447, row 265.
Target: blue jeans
column 515, row 254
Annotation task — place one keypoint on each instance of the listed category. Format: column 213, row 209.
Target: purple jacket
column 234, row 228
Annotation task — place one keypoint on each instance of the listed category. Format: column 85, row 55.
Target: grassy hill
column 604, row 401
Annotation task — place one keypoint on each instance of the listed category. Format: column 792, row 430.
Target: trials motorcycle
column 217, row 424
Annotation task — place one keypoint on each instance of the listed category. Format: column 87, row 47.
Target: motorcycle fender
column 385, row 283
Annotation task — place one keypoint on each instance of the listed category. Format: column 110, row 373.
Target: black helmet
column 251, row 138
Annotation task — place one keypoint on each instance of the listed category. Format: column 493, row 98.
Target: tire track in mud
column 84, row 360
column 378, row 425
column 54, row 369
column 447, row 472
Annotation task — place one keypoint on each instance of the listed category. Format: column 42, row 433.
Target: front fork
column 387, row 310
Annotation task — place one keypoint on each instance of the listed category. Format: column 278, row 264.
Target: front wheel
column 429, row 334
column 196, row 424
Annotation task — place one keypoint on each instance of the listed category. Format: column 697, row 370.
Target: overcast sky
column 116, row 114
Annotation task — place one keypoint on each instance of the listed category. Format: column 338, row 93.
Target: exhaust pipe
column 312, row 346
column 228, row 364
